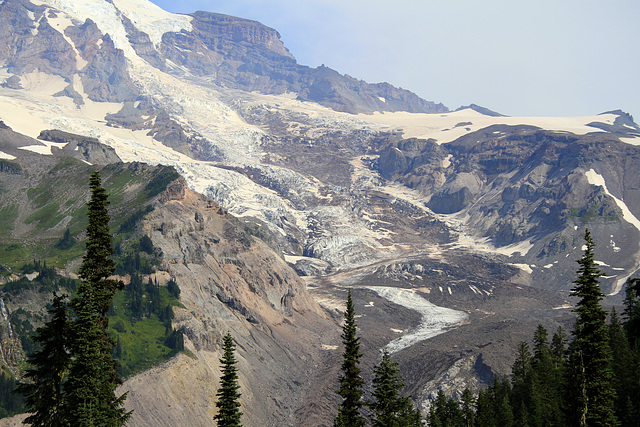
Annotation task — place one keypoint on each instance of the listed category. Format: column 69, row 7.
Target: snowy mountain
column 358, row 184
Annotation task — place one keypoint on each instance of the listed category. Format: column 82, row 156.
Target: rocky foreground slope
column 230, row 281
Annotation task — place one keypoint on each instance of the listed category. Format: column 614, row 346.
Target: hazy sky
column 517, row 57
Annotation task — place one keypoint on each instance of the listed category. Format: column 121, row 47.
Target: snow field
column 435, row 320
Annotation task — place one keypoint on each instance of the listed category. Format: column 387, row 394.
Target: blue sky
column 521, row 58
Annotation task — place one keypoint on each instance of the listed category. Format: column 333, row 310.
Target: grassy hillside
column 42, row 231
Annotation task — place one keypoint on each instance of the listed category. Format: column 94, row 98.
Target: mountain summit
column 119, row 41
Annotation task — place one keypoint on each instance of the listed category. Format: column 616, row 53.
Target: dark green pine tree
column 228, row 405
column 97, row 264
column 591, row 358
column 351, row 382
column 525, row 398
column 42, row 389
column 485, row 409
column 389, row 407
column 467, row 406
column 547, row 383
column 445, row 412
column 89, row 393
column 626, row 373
column 632, row 313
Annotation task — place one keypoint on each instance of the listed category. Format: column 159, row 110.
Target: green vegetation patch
column 46, row 217
column 159, row 183
column 8, row 216
column 141, row 342
column 590, row 214
column 13, row 254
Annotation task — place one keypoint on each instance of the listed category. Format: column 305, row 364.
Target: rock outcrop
column 230, row 281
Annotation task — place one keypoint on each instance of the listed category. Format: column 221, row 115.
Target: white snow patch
column 152, row 19
column 561, row 307
column 524, row 267
column 548, row 266
column 38, row 83
column 632, row 141
column 617, row 268
column 596, row 179
column 523, row 247
column 328, row 347
column 382, row 99
column 60, row 23
column 602, row 263
column 447, row 161
column 435, row 320
column 617, row 287
column 442, row 127
column 6, row 156
column 613, row 246
column 40, row 149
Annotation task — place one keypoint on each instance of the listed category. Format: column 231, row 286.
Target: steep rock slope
column 231, row 52
column 230, row 282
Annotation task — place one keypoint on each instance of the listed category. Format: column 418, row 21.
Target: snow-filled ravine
column 435, row 320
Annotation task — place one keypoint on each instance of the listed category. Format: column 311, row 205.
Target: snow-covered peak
column 152, row 20
column 146, row 16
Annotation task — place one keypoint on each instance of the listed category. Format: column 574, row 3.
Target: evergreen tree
column 632, row 313
column 97, row 265
column 390, row 408
column 351, row 383
column 47, row 368
column 485, row 414
column 445, row 412
column 228, row 405
column 626, row 375
column 89, row 393
column 547, row 385
column 467, row 407
column 591, row 359
column 558, row 349
column 502, row 396
column 525, row 399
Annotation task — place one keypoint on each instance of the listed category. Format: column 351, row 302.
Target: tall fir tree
column 467, row 406
column 626, row 374
column 89, row 393
column 525, row 396
column 97, row 265
column 351, row 382
column 547, row 383
column 632, row 313
column 228, row 396
column 390, row 408
column 591, row 358
column 48, row 366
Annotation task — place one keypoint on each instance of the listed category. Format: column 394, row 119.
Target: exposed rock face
column 515, row 184
column 449, row 201
column 230, row 281
column 82, row 147
column 232, row 52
